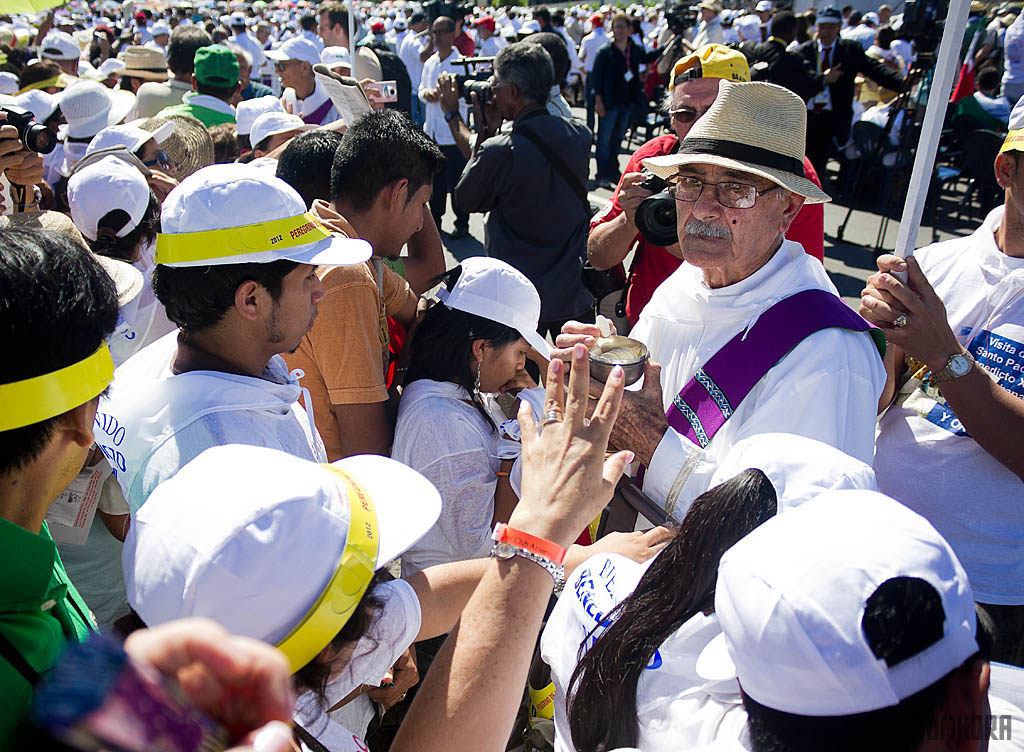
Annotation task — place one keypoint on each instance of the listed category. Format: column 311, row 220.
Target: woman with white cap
column 466, row 350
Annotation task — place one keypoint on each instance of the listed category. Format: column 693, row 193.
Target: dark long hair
column 126, row 248
column 679, row 583
column 442, row 346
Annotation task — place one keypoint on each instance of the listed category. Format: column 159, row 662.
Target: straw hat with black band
column 190, row 146
column 144, row 63
column 752, row 127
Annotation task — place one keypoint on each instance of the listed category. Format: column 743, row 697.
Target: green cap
column 216, row 65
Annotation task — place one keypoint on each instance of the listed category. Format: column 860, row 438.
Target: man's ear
column 966, row 705
column 794, row 203
column 396, row 194
column 250, row 297
column 78, row 422
column 1006, row 169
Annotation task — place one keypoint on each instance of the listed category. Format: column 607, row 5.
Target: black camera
column 680, row 18
column 33, row 136
column 656, row 215
column 478, row 81
column 434, row 9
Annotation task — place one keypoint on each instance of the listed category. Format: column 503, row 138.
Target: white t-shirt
column 825, row 388
column 434, row 124
column 448, row 441
column 1013, row 60
column 409, row 52
column 589, row 46
column 925, row 458
column 676, row 708
column 393, row 629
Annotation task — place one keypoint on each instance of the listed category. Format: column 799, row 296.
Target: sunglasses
column 161, row 159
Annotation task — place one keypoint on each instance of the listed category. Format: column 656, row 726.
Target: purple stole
column 317, row 115
column 709, row 399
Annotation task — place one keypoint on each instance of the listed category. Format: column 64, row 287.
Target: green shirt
column 397, row 266
column 192, row 105
column 40, row 610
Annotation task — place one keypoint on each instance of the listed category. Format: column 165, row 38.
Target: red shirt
column 654, row 264
column 464, row 44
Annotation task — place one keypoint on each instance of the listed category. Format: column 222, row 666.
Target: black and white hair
column 528, row 66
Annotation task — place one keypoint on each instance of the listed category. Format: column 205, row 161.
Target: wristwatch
column 509, row 542
column 449, row 116
column 958, row 365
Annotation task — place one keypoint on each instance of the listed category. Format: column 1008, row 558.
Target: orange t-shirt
column 344, row 354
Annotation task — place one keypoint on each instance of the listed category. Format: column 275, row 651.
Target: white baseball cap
column 336, row 55
column 237, row 19
column 238, row 214
column 273, row 123
column 253, row 538
column 160, row 28
column 791, row 597
column 129, row 135
column 248, row 110
column 101, row 188
column 493, row 290
column 8, row 83
column 799, row 468
column 89, row 107
column 40, row 103
column 59, row 45
column 296, row 48
column 763, row 5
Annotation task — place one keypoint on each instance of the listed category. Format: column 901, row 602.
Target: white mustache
column 703, row 229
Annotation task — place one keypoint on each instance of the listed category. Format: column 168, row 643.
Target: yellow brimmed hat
column 24, row 403
column 711, row 61
column 1015, row 137
column 291, row 550
column 238, row 214
column 751, row 127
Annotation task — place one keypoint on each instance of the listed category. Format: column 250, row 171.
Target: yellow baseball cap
column 1015, row 137
column 711, row 61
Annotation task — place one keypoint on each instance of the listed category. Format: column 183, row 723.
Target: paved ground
column 849, row 261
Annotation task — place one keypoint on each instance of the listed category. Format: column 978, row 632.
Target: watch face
column 504, row 551
column 959, row 365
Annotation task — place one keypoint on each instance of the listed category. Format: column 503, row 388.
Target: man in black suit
column 769, row 61
column 830, row 111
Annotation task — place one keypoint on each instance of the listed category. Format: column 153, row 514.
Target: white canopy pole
column 947, row 64
column 352, row 36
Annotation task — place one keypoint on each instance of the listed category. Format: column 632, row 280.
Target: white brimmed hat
column 274, row 123
column 332, row 56
column 8, row 83
column 237, row 214
column 89, row 107
column 253, row 538
column 296, row 48
column 248, row 110
column 59, row 45
column 752, row 127
column 103, row 187
column 493, row 290
column 791, row 598
column 128, row 135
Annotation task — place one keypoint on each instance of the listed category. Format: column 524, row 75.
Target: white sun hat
column 89, row 107
column 270, row 545
column 238, row 214
column 751, row 127
column 103, row 187
column 129, row 135
column 791, row 597
column 249, row 109
column 296, row 48
column 8, row 83
column 493, row 290
column 274, row 123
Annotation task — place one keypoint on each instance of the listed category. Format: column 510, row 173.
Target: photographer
column 693, row 87
column 20, row 167
column 530, row 178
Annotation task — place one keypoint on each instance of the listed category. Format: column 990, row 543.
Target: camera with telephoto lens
column 478, row 81
column 33, row 136
column 656, row 215
column 680, row 18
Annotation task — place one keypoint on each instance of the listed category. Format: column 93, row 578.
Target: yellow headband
column 345, row 589
column 1014, row 141
column 46, row 84
column 31, row 401
column 210, row 245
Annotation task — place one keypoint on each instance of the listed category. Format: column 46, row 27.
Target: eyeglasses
column 685, row 115
column 729, row 194
column 161, row 159
column 280, row 65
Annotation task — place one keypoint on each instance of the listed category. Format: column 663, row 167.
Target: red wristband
column 505, row 534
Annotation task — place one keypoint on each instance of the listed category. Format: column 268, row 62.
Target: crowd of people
column 344, row 494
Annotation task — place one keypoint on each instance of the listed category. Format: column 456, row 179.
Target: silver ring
column 900, row 322
column 551, row 416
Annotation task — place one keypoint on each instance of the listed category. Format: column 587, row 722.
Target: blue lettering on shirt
column 1000, row 356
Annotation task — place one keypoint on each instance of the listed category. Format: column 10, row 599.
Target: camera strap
column 560, row 167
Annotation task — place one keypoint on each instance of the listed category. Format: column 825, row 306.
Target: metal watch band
column 507, row 551
column 946, row 373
